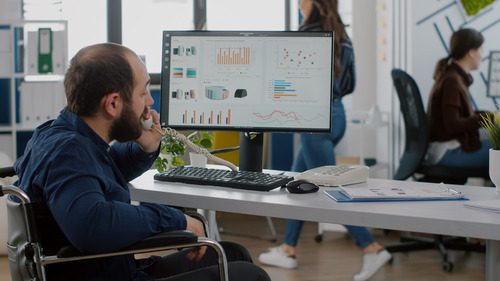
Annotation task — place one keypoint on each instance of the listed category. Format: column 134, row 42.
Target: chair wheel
column 448, row 266
column 318, row 238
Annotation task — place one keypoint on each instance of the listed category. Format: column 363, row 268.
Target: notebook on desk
column 385, row 194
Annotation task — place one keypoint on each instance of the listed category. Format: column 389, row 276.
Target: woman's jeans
column 459, row 158
column 318, row 150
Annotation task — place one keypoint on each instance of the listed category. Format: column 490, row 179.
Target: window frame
column 199, row 16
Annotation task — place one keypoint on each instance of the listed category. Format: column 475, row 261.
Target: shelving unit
column 19, row 53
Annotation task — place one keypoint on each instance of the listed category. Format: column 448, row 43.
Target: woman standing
column 318, row 149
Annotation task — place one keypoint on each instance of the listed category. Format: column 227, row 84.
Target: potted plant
column 203, row 139
column 491, row 124
column 171, row 152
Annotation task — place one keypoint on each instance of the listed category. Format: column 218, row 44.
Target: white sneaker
column 372, row 262
column 277, row 257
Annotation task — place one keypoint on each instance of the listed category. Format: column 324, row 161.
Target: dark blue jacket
column 83, row 181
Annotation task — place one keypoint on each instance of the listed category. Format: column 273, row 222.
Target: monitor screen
column 249, row 81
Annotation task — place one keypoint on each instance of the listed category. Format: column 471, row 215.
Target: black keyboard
column 240, row 180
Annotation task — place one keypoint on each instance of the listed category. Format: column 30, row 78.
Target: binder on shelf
column 40, row 102
column 38, row 94
column 24, row 44
column 51, row 58
column 386, row 194
column 4, row 102
column 5, row 51
column 59, row 99
column 26, row 106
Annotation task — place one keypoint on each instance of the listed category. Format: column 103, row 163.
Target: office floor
column 336, row 258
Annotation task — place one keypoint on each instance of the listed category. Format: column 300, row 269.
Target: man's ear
column 112, row 104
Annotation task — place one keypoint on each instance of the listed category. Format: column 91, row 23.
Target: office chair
column 417, row 139
column 412, row 165
column 35, row 242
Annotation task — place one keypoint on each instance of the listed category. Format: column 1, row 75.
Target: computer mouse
column 301, row 186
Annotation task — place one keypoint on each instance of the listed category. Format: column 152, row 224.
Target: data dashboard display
column 247, row 81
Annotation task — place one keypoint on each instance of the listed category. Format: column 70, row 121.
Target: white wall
column 364, row 29
column 434, row 22
column 371, row 28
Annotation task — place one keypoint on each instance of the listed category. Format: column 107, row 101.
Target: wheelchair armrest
column 166, row 239
column 163, row 241
column 201, row 218
column 171, row 238
column 7, row 172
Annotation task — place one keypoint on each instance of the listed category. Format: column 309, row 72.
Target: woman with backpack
column 318, row 149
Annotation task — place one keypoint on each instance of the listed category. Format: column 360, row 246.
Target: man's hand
column 150, row 138
column 196, row 227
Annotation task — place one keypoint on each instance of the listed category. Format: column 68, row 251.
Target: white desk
column 437, row 217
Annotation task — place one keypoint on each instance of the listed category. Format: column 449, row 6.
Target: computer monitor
column 251, row 81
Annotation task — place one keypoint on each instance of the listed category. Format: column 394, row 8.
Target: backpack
column 345, row 83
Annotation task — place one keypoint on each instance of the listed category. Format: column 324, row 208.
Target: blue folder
column 338, row 195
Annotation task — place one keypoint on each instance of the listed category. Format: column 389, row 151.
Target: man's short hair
column 94, row 72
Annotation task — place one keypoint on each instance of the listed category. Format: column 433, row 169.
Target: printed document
column 436, row 192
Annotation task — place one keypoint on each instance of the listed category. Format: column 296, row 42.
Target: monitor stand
column 251, row 144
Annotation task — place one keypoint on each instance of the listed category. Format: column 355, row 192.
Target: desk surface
column 438, row 217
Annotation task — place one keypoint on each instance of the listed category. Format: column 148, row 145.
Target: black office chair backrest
column 415, row 121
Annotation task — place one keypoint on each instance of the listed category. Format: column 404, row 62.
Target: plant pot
column 495, row 167
column 197, row 160
column 169, row 159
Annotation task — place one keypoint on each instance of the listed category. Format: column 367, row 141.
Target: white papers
column 488, row 205
column 434, row 192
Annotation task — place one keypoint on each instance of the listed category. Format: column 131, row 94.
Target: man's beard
column 127, row 127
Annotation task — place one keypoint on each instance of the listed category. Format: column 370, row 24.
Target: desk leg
column 492, row 260
column 270, row 224
column 213, row 229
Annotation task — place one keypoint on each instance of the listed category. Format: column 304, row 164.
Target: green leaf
column 491, row 124
column 173, row 146
column 177, row 161
column 202, row 139
column 160, row 164
column 473, row 7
